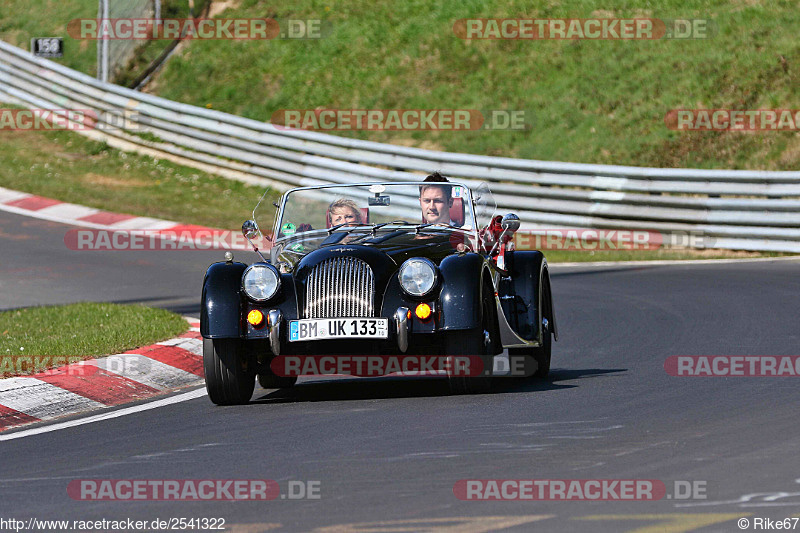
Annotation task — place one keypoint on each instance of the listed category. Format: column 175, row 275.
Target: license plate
column 310, row 329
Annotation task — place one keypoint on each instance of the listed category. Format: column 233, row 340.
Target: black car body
column 482, row 296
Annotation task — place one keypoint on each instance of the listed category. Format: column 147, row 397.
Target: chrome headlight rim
column 268, row 267
column 434, row 271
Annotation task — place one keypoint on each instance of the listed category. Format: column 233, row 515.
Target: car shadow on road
column 346, row 388
column 553, row 381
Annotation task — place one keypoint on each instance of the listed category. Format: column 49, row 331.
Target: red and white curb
column 200, row 237
column 23, row 203
column 109, row 381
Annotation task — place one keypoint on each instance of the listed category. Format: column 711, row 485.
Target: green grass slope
column 586, row 101
column 598, row 101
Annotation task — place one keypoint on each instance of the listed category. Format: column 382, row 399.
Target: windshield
column 485, row 205
column 322, row 208
column 308, row 216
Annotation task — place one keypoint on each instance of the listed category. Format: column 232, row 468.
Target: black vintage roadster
column 368, row 269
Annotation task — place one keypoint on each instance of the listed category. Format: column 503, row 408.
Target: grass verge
column 71, row 168
column 38, row 338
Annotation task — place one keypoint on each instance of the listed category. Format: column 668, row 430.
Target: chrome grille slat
column 354, row 283
column 348, row 287
column 327, row 283
column 320, row 292
column 340, row 287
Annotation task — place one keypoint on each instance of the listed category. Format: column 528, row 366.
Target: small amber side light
column 423, row 311
column 255, row 318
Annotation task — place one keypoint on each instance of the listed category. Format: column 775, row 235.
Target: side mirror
column 510, row 223
column 249, row 229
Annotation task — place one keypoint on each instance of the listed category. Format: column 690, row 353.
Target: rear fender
column 524, row 303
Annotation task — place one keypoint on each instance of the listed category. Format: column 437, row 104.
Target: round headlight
column 261, row 282
column 418, row 276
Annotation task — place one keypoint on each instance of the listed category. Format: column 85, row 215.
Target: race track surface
column 391, row 449
column 38, row 269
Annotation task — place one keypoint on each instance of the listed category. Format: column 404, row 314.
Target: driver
column 343, row 211
column 436, row 200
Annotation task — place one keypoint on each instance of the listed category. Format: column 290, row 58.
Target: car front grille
column 340, row 287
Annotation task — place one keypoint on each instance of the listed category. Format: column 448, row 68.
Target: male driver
column 436, row 200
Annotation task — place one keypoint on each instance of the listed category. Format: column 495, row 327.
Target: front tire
column 478, row 342
column 230, row 379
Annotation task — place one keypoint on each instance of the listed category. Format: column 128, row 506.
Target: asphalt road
column 37, row 268
column 388, row 450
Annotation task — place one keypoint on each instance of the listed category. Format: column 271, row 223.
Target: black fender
column 463, row 277
column 523, row 299
column 220, row 311
column 285, row 301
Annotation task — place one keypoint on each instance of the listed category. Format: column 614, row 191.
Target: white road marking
column 143, row 223
column 147, row 371
column 41, row 399
column 43, row 216
column 68, row 211
column 194, row 346
column 7, row 195
column 106, row 416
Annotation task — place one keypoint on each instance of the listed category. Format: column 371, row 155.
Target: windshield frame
column 279, row 215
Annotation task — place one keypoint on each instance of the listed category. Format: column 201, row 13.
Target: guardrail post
column 102, row 43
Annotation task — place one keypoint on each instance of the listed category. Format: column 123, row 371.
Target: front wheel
column 230, row 379
column 479, row 342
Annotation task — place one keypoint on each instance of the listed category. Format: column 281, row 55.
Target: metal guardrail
column 746, row 210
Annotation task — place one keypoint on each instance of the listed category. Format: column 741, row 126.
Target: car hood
column 401, row 245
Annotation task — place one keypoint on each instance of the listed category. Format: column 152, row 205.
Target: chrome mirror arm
column 510, row 225
column 250, row 230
